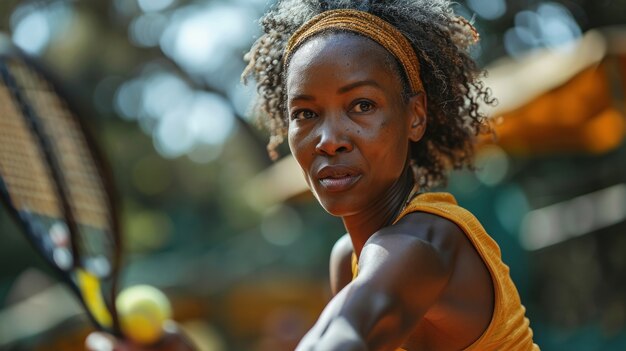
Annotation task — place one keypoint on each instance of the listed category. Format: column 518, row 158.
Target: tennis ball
column 142, row 311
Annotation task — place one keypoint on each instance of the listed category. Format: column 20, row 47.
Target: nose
column 333, row 137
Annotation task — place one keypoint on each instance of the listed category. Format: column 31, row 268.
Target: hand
column 173, row 340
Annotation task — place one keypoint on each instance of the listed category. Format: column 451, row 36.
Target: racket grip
column 143, row 311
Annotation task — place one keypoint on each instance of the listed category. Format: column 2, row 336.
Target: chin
column 333, row 211
column 338, row 205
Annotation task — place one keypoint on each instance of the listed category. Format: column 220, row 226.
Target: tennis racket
column 55, row 183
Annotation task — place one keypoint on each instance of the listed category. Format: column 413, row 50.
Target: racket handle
column 143, row 311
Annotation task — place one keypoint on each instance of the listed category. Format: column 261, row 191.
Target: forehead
column 343, row 50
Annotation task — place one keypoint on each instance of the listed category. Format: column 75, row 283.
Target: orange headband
column 368, row 25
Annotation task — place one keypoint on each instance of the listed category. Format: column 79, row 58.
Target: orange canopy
column 583, row 113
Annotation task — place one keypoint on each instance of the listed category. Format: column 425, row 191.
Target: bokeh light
column 510, row 207
column 146, row 30
column 550, row 26
column 581, row 215
column 154, row 5
column 205, row 38
column 35, row 24
column 281, row 225
column 488, row 9
column 492, row 165
column 178, row 117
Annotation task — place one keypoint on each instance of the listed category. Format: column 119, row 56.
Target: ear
column 417, row 116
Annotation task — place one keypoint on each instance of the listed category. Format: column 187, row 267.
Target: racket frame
column 10, row 52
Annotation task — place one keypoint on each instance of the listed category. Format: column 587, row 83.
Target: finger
column 174, row 339
column 98, row 341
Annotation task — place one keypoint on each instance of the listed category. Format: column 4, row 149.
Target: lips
column 338, row 178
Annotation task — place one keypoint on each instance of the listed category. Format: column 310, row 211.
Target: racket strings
column 22, row 164
column 55, row 186
column 76, row 164
column 88, row 200
column 77, row 170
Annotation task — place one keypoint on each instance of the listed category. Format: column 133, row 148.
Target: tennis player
column 378, row 100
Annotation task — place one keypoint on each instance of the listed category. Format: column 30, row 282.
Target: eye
column 362, row 106
column 302, row 114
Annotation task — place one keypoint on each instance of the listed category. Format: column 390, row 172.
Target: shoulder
column 341, row 264
column 421, row 232
column 414, row 257
column 443, row 208
column 342, row 248
column 411, row 262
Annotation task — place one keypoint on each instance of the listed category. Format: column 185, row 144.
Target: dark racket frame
column 29, row 225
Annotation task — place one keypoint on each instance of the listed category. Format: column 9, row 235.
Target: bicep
column 414, row 262
column 400, row 278
column 380, row 304
column 410, row 271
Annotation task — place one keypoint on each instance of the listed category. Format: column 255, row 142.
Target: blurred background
column 237, row 242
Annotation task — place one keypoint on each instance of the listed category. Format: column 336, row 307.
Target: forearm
column 384, row 304
column 359, row 318
column 339, row 335
column 381, row 318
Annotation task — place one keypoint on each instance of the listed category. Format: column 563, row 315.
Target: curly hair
column 450, row 76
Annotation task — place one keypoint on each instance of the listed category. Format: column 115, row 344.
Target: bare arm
column 341, row 264
column 401, row 275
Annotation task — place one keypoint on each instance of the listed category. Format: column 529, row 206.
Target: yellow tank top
column 509, row 328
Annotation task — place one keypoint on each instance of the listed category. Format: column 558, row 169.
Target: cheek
column 291, row 140
column 299, row 143
column 390, row 134
column 387, row 143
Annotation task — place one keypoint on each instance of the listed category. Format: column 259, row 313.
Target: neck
column 381, row 213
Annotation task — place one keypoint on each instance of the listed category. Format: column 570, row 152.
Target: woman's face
column 349, row 127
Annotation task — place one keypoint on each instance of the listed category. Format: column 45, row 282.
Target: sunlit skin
column 421, row 284
column 349, row 116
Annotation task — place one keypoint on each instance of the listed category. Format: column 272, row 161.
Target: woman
column 377, row 100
